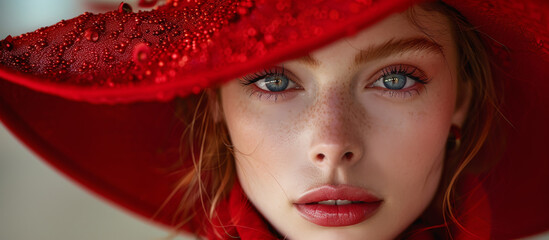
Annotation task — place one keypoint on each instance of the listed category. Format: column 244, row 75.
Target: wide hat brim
column 103, row 111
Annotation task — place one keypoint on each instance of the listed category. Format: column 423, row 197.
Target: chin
column 361, row 231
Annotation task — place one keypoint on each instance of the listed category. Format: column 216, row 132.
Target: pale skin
column 294, row 140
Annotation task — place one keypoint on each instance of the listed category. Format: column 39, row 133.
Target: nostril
column 320, row 156
column 348, row 155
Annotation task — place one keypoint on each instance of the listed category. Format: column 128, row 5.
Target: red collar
column 236, row 217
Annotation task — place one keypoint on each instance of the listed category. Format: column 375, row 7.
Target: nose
column 333, row 155
column 337, row 127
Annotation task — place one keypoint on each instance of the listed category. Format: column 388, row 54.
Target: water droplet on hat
column 539, row 42
column 282, row 5
column 8, row 43
column 160, row 79
column 252, row 31
column 164, row 96
column 91, row 35
column 242, row 11
column 269, row 39
column 172, row 73
column 125, row 8
column 109, row 82
column 141, row 53
column 121, row 47
column 42, row 42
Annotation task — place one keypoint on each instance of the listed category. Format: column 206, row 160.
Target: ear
column 214, row 104
column 463, row 101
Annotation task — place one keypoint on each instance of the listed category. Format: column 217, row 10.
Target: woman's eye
column 398, row 78
column 275, row 83
column 270, row 84
column 394, row 82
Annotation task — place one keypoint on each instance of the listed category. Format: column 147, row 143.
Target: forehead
column 428, row 25
column 413, row 22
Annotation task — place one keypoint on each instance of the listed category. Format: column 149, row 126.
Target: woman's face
column 364, row 120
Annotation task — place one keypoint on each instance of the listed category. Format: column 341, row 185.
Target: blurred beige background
column 35, row 201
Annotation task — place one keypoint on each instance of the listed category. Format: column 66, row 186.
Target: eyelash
column 406, row 70
column 254, row 77
column 251, row 79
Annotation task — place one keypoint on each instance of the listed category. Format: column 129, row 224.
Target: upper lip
column 337, row 192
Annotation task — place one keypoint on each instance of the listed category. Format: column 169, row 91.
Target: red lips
column 335, row 206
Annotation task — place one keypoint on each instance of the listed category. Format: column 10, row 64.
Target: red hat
column 95, row 95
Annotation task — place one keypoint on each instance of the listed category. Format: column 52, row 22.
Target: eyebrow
column 391, row 47
column 308, row 60
column 395, row 47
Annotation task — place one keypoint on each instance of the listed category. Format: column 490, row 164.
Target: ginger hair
column 479, row 137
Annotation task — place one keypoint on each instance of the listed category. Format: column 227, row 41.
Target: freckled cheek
column 257, row 132
column 242, row 119
column 419, row 155
column 266, row 154
column 263, row 136
column 407, row 142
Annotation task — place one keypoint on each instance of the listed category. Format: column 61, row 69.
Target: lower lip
column 337, row 215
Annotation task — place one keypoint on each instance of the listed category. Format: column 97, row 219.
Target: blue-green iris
column 394, row 81
column 276, row 83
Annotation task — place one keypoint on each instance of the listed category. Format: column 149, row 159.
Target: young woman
column 350, row 120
